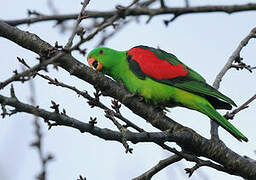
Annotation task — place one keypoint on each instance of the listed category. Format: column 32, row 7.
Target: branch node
column 33, row 12
column 12, row 92
column 55, row 107
column 80, row 32
column 4, row 111
column 166, row 22
column 121, row 11
column 57, row 46
column 63, row 112
column 97, row 94
column 81, row 177
column 93, row 121
column 95, row 101
column 50, row 125
column 116, row 106
column 190, row 171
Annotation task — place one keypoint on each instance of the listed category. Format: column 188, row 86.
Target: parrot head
column 103, row 59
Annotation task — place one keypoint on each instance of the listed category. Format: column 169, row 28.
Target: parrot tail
column 222, row 121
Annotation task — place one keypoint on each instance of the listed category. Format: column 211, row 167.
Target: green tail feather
column 222, row 121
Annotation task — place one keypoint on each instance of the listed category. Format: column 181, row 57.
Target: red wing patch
column 151, row 65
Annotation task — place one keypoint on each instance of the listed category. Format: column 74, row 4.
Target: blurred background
column 203, row 41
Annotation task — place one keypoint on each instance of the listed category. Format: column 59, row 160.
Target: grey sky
column 202, row 41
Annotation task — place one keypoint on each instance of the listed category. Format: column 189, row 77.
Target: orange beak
column 95, row 64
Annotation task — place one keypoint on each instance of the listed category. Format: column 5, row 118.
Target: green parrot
column 162, row 79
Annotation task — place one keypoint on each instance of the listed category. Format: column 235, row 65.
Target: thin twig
column 235, row 56
column 120, row 13
column 186, row 3
column 161, row 165
column 146, row 3
column 162, row 3
column 28, row 72
column 44, row 160
column 181, row 154
column 54, row 10
column 64, row 120
column 91, row 36
column 185, row 137
column 80, row 17
column 240, row 108
column 241, row 66
column 106, row 37
column 139, row 11
column 92, row 101
column 110, row 115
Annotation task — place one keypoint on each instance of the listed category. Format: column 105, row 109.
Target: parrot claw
column 140, row 98
column 160, row 107
column 135, row 94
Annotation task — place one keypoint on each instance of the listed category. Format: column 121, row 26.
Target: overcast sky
column 202, row 41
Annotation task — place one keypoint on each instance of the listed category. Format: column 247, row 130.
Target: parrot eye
column 101, row 51
column 95, row 64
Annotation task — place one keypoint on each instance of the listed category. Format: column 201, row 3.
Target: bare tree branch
column 240, row 108
column 93, row 102
column 138, row 11
column 38, row 142
column 108, row 22
column 64, row 120
column 161, row 165
column 30, row 72
column 61, row 119
column 234, row 57
column 184, row 137
column 80, row 17
column 241, row 65
column 54, row 10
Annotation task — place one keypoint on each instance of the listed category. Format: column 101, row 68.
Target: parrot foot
column 161, row 108
column 140, row 98
column 135, row 94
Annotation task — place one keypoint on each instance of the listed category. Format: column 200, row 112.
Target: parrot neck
column 118, row 71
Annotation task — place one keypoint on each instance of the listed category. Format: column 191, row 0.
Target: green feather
column 211, row 113
column 190, row 91
column 193, row 82
column 198, row 87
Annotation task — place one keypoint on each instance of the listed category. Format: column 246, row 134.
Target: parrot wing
column 165, row 68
